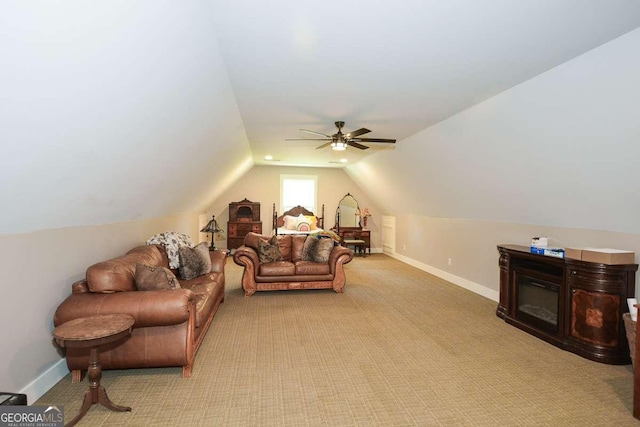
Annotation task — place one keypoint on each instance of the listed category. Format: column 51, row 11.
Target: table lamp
column 212, row 227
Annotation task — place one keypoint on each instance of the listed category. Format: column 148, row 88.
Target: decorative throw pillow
column 309, row 243
column 194, row 261
column 321, row 250
column 154, row 278
column 317, row 250
column 269, row 251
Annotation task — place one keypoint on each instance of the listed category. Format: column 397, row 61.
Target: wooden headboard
column 278, row 221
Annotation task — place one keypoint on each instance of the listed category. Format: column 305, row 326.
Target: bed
column 297, row 220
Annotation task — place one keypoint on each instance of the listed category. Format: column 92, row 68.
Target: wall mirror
column 347, row 212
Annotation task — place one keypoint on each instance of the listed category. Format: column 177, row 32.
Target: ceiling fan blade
column 358, row 132
column 355, row 144
column 392, row 141
column 316, row 133
column 323, row 145
column 308, row 139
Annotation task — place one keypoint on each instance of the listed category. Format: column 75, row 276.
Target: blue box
column 555, row 252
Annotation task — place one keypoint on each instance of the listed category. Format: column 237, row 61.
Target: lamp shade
column 211, row 227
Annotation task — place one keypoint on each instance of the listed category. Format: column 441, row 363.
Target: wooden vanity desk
column 355, row 233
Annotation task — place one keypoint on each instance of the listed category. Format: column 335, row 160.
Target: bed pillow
column 269, row 251
column 150, row 278
column 194, row 261
column 312, row 220
column 290, row 222
column 303, row 225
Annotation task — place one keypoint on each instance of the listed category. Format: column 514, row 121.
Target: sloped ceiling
column 116, row 110
column 113, row 111
column 395, row 68
column 560, row 149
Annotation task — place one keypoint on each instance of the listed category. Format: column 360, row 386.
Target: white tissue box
column 540, row 242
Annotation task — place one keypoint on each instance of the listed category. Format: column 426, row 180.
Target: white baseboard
column 44, row 382
column 456, row 280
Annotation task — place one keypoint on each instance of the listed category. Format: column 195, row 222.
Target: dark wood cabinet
column 575, row 305
column 244, row 217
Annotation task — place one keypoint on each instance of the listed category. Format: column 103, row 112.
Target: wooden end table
column 93, row 332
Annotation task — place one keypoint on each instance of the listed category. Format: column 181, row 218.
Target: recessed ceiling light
column 343, row 160
column 268, row 157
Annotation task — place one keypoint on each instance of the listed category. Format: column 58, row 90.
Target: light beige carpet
column 399, row 348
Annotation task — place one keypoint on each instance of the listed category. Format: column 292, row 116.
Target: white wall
column 556, row 155
column 117, row 122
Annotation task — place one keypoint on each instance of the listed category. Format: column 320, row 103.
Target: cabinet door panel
column 595, row 317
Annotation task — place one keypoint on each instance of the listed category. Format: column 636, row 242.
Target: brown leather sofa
column 292, row 272
column 169, row 324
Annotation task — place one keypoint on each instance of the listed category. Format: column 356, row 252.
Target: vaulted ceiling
column 116, row 110
column 395, row 68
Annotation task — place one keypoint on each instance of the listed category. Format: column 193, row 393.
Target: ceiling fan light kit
column 339, row 141
column 339, row 145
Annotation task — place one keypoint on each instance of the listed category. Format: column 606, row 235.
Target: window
column 298, row 190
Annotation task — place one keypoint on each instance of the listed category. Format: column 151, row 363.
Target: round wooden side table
column 93, row 332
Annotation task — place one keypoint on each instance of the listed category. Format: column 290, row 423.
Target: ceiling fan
column 339, row 141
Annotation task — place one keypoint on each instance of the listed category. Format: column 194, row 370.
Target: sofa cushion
column 117, row 274
column 269, row 251
column 312, row 268
column 284, row 241
column 278, row 268
column 194, row 261
column 204, row 287
column 297, row 245
column 317, row 250
column 150, row 278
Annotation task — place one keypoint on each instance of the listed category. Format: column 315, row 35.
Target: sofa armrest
column 148, row 308
column 244, row 255
column 218, row 259
column 337, row 252
column 248, row 257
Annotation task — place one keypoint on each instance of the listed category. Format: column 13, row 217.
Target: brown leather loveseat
column 169, row 324
column 293, row 269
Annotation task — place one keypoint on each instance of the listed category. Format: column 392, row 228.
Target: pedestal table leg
column 96, row 393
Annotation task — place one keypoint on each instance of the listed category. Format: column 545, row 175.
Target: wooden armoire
column 244, row 217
